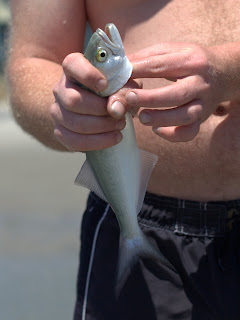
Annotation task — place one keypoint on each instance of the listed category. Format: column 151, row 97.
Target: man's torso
column 206, row 168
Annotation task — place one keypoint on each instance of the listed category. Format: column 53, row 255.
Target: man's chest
column 142, row 22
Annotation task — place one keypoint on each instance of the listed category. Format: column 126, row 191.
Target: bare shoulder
column 48, row 29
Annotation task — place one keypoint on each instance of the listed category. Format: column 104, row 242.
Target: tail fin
column 130, row 251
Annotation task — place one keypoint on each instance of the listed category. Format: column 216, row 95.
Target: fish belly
column 117, row 170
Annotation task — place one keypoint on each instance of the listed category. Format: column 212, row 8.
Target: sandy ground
column 40, row 214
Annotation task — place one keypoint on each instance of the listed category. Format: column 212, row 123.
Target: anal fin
column 86, row 178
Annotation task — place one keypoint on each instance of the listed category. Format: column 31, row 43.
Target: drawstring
column 91, row 262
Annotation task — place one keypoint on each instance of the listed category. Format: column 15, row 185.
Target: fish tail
column 130, row 251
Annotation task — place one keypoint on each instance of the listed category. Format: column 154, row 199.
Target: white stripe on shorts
column 91, row 262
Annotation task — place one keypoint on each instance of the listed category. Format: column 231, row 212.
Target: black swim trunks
column 201, row 240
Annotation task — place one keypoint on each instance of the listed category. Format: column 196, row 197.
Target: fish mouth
column 111, row 36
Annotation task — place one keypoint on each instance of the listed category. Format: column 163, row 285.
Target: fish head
column 105, row 52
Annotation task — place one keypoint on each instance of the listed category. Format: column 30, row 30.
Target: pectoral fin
column 86, row 178
column 147, row 163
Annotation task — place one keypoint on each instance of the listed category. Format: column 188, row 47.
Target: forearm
column 42, row 34
column 31, row 81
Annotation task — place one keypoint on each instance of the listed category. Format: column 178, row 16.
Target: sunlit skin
column 186, row 54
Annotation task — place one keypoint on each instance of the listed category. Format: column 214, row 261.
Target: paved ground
column 40, row 213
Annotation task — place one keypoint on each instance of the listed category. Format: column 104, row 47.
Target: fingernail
column 118, row 108
column 145, row 118
column 131, row 98
column 101, row 84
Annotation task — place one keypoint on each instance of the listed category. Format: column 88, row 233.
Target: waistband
column 185, row 217
column 208, row 219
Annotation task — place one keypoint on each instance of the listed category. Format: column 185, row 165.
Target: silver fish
column 120, row 174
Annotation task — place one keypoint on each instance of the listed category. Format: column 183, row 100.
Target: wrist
column 225, row 60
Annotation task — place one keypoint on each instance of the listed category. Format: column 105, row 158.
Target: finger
column 78, row 100
column 176, row 63
column 85, row 124
column 160, row 49
column 178, row 134
column 77, row 67
column 81, row 142
column 117, row 105
column 178, row 116
column 176, row 94
column 171, row 65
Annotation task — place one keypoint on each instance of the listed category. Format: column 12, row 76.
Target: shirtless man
column 191, row 211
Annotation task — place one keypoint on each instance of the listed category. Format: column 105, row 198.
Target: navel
column 221, row 110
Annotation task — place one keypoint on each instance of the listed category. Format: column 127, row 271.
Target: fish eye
column 101, row 55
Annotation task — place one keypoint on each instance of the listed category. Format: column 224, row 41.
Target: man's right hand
column 82, row 122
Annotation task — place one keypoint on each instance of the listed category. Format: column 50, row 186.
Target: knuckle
column 54, row 111
column 194, row 113
column 59, row 135
column 59, row 88
column 155, row 66
column 202, row 84
column 206, row 87
column 201, row 61
column 69, row 60
column 184, row 93
column 198, row 58
column 72, row 100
